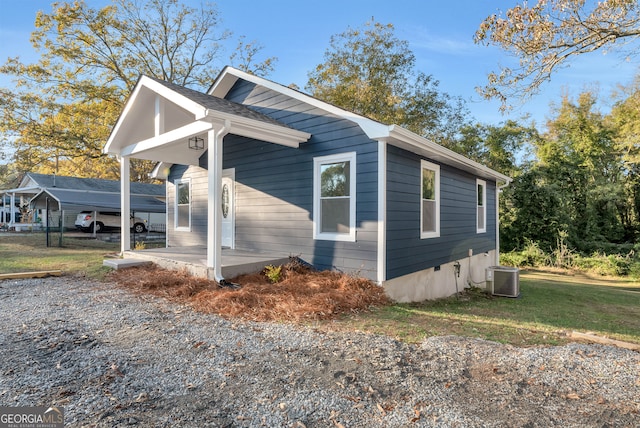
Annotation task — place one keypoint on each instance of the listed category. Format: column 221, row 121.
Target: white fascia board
column 259, row 130
column 109, row 146
column 31, row 201
column 393, row 134
column 28, row 181
column 186, row 131
column 145, row 82
column 191, row 106
column 421, row 145
column 21, row 189
column 230, row 75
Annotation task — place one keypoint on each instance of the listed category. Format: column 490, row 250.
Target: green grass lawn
column 26, row 252
column 550, row 305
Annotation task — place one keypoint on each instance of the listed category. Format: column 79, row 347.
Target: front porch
column 194, row 260
column 174, row 125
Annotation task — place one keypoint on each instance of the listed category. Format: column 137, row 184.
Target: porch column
column 12, row 218
column 125, row 204
column 381, row 265
column 214, row 213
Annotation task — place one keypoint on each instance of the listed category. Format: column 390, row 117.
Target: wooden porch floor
column 194, row 260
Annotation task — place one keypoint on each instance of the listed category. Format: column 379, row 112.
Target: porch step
column 194, row 260
column 238, row 265
column 124, row 263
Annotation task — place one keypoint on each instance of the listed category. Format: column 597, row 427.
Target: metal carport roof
column 90, row 200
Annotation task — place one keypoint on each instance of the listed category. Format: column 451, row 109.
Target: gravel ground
column 111, row 358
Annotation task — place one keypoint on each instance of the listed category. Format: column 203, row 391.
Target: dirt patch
column 300, row 293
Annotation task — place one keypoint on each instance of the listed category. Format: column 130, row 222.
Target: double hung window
column 430, row 200
column 334, row 197
column 481, row 215
column 182, row 210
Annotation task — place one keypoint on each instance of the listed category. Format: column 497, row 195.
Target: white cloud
column 421, row 39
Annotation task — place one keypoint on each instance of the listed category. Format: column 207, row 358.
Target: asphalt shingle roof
column 219, row 104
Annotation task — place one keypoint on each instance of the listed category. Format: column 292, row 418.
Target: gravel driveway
column 111, row 358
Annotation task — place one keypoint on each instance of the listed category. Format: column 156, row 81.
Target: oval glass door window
column 225, row 200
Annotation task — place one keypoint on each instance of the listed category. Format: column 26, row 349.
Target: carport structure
column 90, row 200
column 75, row 194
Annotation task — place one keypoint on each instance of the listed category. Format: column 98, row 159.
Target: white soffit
column 393, row 134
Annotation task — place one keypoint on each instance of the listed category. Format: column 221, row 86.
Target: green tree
column 61, row 110
column 586, row 147
column 371, row 72
column 497, row 147
column 531, row 211
column 625, row 118
column 576, row 185
column 545, row 35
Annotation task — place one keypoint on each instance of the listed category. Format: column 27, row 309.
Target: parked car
column 106, row 220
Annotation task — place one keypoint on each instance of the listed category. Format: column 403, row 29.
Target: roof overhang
column 89, row 200
column 137, row 132
column 392, row 134
column 407, row 140
column 22, row 190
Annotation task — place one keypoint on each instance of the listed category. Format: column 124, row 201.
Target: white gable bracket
column 181, row 133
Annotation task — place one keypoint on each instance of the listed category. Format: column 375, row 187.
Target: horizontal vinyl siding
column 199, row 185
column 406, row 252
column 274, row 184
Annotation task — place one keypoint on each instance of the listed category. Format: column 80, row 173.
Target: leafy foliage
column 547, row 34
column 582, row 186
column 334, row 179
column 273, row 273
column 371, row 72
column 563, row 257
column 496, row 146
column 61, row 110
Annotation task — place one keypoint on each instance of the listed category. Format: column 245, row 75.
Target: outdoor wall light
column 196, row 143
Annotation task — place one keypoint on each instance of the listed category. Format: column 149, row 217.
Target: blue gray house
column 257, row 166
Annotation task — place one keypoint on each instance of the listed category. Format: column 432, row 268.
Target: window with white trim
column 182, row 208
column 334, row 197
column 481, row 211
column 429, row 200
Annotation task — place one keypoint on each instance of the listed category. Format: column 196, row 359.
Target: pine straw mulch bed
column 301, row 294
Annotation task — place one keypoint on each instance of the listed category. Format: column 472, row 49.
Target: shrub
column 512, row 258
column 563, row 257
column 602, row 264
column 273, row 273
column 533, row 256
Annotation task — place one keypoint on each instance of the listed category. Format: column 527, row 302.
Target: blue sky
column 440, row 34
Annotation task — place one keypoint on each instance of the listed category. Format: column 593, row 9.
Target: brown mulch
column 301, row 294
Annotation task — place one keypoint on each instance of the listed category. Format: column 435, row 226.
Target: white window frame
column 317, row 164
column 435, row 168
column 482, row 183
column 175, row 204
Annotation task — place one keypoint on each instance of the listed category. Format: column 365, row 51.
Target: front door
column 228, row 211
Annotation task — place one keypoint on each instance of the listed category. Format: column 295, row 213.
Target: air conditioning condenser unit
column 503, row 281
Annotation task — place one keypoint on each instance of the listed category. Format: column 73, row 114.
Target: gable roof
column 218, row 104
column 160, row 117
column 392, row 134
